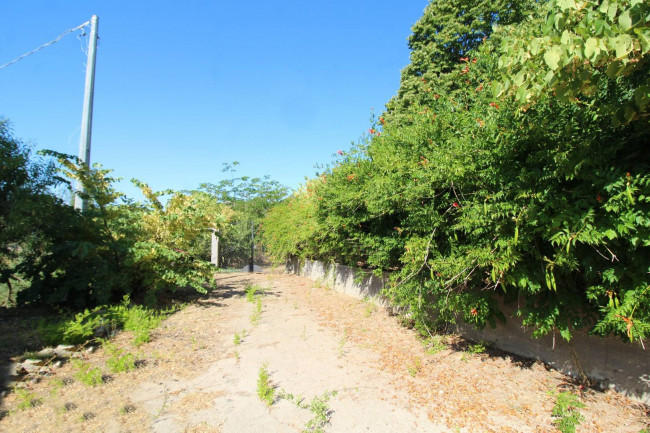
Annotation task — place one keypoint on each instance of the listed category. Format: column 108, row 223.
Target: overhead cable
column 45, row 45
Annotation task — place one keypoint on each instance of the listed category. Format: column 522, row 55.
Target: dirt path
column 314, row 342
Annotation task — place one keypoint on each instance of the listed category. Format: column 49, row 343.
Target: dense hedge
column 478, row 192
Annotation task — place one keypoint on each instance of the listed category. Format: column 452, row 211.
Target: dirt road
column 336, row 364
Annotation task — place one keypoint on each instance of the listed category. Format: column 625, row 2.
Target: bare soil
column 193, row 377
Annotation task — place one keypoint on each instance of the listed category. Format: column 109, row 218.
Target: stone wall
column 609, row 361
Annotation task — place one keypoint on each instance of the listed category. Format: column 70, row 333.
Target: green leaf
column 552, row 57
column 611, row 234
column 566, row 4
column 611, row 12
column 603, row 6
column 623, row 45
column 591, row 48
column 614, row 69
column 625, row 21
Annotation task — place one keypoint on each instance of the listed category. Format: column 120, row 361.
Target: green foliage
column 116, row 247
column 239, row 336
column 82, row 326
column 446, row 33
column 250, row 199
column 25, row 182
column 251, row 292
column 574, row 48
column 474, row 201
column 119, row 361
column 291, row 227
column 321, row 411
column 265, row 391
column 435, row 344
column 86, row 374
column 256, row 315
column 566, row 413
column 317, row 406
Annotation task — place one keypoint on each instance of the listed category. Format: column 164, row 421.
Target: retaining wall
column 609, row 361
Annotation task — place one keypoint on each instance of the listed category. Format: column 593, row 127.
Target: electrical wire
column 44, row 45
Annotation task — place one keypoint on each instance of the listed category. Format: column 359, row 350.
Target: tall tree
column 446, row 33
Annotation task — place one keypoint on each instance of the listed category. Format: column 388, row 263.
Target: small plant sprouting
column 119, row 362
column 251, row 293
column 476, row 348
column 473, row 349
column 27, row 399
column 239, row 336
column 415, row 368
column 322, row 413
column 257, row 313
column 87, row 375
column 435, row 344
column 265, row 391
column 344, row 339
column 566, row 413
column 317, row 406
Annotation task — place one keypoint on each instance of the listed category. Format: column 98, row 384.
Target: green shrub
column 474, row 197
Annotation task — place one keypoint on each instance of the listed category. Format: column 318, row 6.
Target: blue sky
column 183, row 87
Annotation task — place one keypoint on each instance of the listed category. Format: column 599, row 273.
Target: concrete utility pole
column 87, row 116
column 214, row 248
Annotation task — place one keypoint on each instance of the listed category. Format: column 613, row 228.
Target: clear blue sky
column 183, row 87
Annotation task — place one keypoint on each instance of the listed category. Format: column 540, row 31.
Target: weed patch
column 86, row 374
column 566, row 413
column 265, row 391
column 251, row 292
column 27, row 399
column 239, row 336
column 318, row 406
column 119, row 362
column 415, row 368
column 105, row 320
column 256, row 316
column 434, row 344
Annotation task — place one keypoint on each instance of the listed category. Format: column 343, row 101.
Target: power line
column 45, row 45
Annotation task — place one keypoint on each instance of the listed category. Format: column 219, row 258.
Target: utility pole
column 87, row 116
column 214, row 248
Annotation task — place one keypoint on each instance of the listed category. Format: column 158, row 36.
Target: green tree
column 250, row 198
column 24, row 199
column 448, row 32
